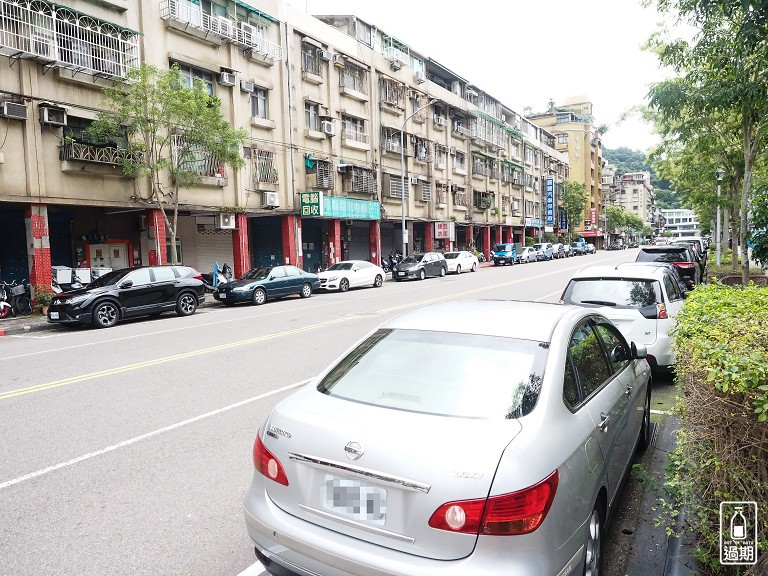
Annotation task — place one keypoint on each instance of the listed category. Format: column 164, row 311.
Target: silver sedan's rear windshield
column 618, row 292
column 450, row 374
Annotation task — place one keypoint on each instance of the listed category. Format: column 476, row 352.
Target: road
column 128, row 450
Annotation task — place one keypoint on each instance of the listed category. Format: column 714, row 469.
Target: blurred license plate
column 401, row 273
column 222, row 294
column 54, row 315
column 355, row 500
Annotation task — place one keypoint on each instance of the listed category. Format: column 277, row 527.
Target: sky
column 526, row 53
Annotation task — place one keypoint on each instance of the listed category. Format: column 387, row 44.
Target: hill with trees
column 628, row 160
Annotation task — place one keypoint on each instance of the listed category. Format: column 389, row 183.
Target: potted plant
column 43, row 297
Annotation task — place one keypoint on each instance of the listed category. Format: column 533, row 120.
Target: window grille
column 264, row 167
column 459, row 196
column 354, row 78
column 310, row 59
column 392, row 93
column 426, row 191
column 396, row 187
column 363, row 181
column 193, row 158
column 441, row 193
column 460, row 161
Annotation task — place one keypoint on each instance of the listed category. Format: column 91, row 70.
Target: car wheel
column 594, row 554
column 442, row 271
column 458, row 269
column 645, row 430
column 378, row 281
column 105, row 315
column 474, row 267
column 343, row 286
column 259, row 296
column 186, row 304
column 306, row 291
column 422, row 274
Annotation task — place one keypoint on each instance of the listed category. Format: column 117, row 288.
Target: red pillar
column 240, row 250
column 487, row 242
column 289, row 233
column 468, row 237
column 38, row 245
column 334, row 241
column 156, row 250
column 375, row 241
column 429, row 236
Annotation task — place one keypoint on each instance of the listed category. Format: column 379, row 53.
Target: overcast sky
column 525, row 53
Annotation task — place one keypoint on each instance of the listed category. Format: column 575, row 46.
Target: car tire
column 474, row 267
column 378, row 281
column 593, row 557
column 105, row 314
column 186, row 304
column 422, row 274
column 259, row 296
column 306, row 291
column 645, row 430
column 343, row 285
column 458, row 269
column 442, row 271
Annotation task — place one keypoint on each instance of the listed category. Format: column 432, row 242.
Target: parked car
column 558, row 250
column 615, row 246
column 529, row 254
column 380, row 469
column 267, row 282
column 661, row 242
column 699, row 249
column 351, row 274
column 120, row 294
column 669, row 266
column 642, row 301
column 578, row 248
column 678, row 254
column 567, row 250
column 420, row 266
column 591, row 248
column 505, row 254
column 545, row 250
column 461, row 261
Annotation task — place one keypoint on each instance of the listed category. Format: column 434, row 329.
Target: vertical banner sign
column 563, row 220
column 550, row 183
column 593, row 216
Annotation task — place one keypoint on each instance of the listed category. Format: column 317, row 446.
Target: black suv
column 148, row 290
column 680, row 255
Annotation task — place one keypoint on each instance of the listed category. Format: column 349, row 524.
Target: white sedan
column 351, row 274
column 529, row 254
column 461, row 261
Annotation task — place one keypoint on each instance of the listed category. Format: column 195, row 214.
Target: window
column 264, row 167
column 440, row 156
column 396, row 187
column 459, row 195
column 190, row 74
column 614, row 346
column 363, row 180
column 292, row 271
column 426, row 191
column 392, row 93
column 354, row 129
column 459, row 162
column 323, row 171
column 310, row 59
column 311, row 116
column 563, row 118
column 589, row 362
column 163, row 274
column 139, row 277
column 354, row 78
column 259, row 103
column 562, row 138
column 421, row 150
column 441, row 193
column 278, row 272
column 672, row 288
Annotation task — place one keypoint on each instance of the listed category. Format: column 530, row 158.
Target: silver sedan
column 486, row 437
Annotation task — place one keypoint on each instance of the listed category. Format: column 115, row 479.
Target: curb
column 25, row 328
column 679, row 560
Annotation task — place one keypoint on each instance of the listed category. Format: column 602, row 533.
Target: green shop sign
column 316, row 204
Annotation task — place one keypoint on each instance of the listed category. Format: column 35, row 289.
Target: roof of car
column 506, row 318
column 636, row 270
column 665, row 248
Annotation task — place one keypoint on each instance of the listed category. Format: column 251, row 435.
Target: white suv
column 643, row 302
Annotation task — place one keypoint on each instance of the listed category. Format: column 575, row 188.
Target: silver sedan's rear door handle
column 604, row 421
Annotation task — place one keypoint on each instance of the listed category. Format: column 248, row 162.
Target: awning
column 513, row 164
column 253, row 10
column 589, row 233
column 491, row 119
column 485, row 154
column 515, row 133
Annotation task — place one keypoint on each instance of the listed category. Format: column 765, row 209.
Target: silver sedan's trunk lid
column 378, row 474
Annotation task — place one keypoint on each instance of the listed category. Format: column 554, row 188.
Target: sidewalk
column 24, row 325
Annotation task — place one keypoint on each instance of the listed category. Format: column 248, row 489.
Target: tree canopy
column 574, row 200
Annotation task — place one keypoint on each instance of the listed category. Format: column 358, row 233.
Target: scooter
column 6, row 309
column 388, row 264
column 222, row 276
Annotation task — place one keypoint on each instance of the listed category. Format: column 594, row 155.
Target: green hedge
column 721, row 341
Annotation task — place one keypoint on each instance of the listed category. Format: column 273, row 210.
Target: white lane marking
column 157, row 432
column 549, row 296
column 256, row 569
column 663, row 412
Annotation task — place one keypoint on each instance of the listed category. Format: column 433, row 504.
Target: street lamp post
column 402, row 172
column 719, row 173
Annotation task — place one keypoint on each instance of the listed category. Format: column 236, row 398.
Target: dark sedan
column 680, row 255
column 145, row 291
column 265, row 282
column 420, row 266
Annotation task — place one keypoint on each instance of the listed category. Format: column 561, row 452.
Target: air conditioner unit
column 414, row 180
column 270, row 200
column 225, row 221
column 13, row 110
column 326, row 55
column 338, row 60
column 342, row 168
column 419, row 76
column 328, row 127
column 247, row 86
column 53, row 116
column 395, row 64
column 227, row 79
column 452, row 151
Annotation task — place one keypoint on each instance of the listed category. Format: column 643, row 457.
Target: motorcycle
column 388, row 264
column 217, row 276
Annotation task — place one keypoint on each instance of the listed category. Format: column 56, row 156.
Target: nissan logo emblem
column 354, row 451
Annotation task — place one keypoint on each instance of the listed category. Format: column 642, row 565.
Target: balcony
column 460, row 131
column 441, row 122
column 75, row 151
column 219, row 29
column 349, row 134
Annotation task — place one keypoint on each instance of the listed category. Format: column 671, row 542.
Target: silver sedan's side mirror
column 638, row 350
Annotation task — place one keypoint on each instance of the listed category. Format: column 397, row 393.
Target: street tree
column 574, row 200
column 176, row 134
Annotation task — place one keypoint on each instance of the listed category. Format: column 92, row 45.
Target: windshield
column 415, row 259
column 487, row 377
column 257, row 274
column 539, row 246
column 618, row 292
column 662, row 256
column 110, row 278
column 341, row 266
column 503, row 247
column 451, row 255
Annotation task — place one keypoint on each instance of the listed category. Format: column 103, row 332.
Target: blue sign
column 550, row 188
column 563, row 220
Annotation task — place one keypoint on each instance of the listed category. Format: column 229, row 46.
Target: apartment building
column 572, row 124
column 681, row 222
column 332, row 107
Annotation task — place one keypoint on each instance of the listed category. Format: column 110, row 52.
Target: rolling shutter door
column 213, row 246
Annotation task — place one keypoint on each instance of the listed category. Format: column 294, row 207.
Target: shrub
column 43, row 295
column 721, row 342
column 530, row 240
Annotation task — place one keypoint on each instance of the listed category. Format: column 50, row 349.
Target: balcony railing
column 358, row 136
column 441, row 121
column 239, row 33
column 461, row 130
column 97, row 154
